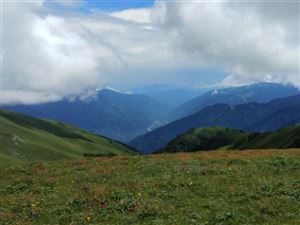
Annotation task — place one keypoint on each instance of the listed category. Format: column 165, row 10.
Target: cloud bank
column 48, row 55
column 252, row 41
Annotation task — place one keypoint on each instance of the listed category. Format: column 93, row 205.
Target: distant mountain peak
column 215, row 92
column 109, row 88
column 256, row 92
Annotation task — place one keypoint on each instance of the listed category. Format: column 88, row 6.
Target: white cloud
column 134, row 15
column 248, row 40
column 49, row 56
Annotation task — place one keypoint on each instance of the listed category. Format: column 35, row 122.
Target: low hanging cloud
column 49, row 56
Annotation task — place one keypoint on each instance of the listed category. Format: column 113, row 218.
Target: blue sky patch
column 117, row 5
column 89, row 6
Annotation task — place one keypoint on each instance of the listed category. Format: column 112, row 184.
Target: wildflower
column 88, row 218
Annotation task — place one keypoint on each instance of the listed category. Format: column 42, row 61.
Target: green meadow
column 24, row 138
column 217, row 187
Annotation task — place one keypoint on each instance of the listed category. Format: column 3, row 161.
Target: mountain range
column 153, row 115
column 258, row 92
column 109, row 113
column 254, row 117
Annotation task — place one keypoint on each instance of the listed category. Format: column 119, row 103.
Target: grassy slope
column 211, row 138
column 220, row 187
column 26, row 138
column 282, row 138
column 208, row 138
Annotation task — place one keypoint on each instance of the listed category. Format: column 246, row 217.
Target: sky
column 90, row 6
column 54, row 49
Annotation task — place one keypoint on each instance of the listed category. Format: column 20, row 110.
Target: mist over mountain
column 112, row 114
column 173, row 95
column 254, row 116
column 258, row 92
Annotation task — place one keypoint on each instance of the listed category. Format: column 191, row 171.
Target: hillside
column 252, row 117
column 212, row 188
column 26, row 138
column 258, row 92
column 281, row 139
column 212, row 138
column 208, row 138
column 109, row 113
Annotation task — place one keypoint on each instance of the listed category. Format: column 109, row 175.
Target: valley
column 252, row 117
column 118, row 116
